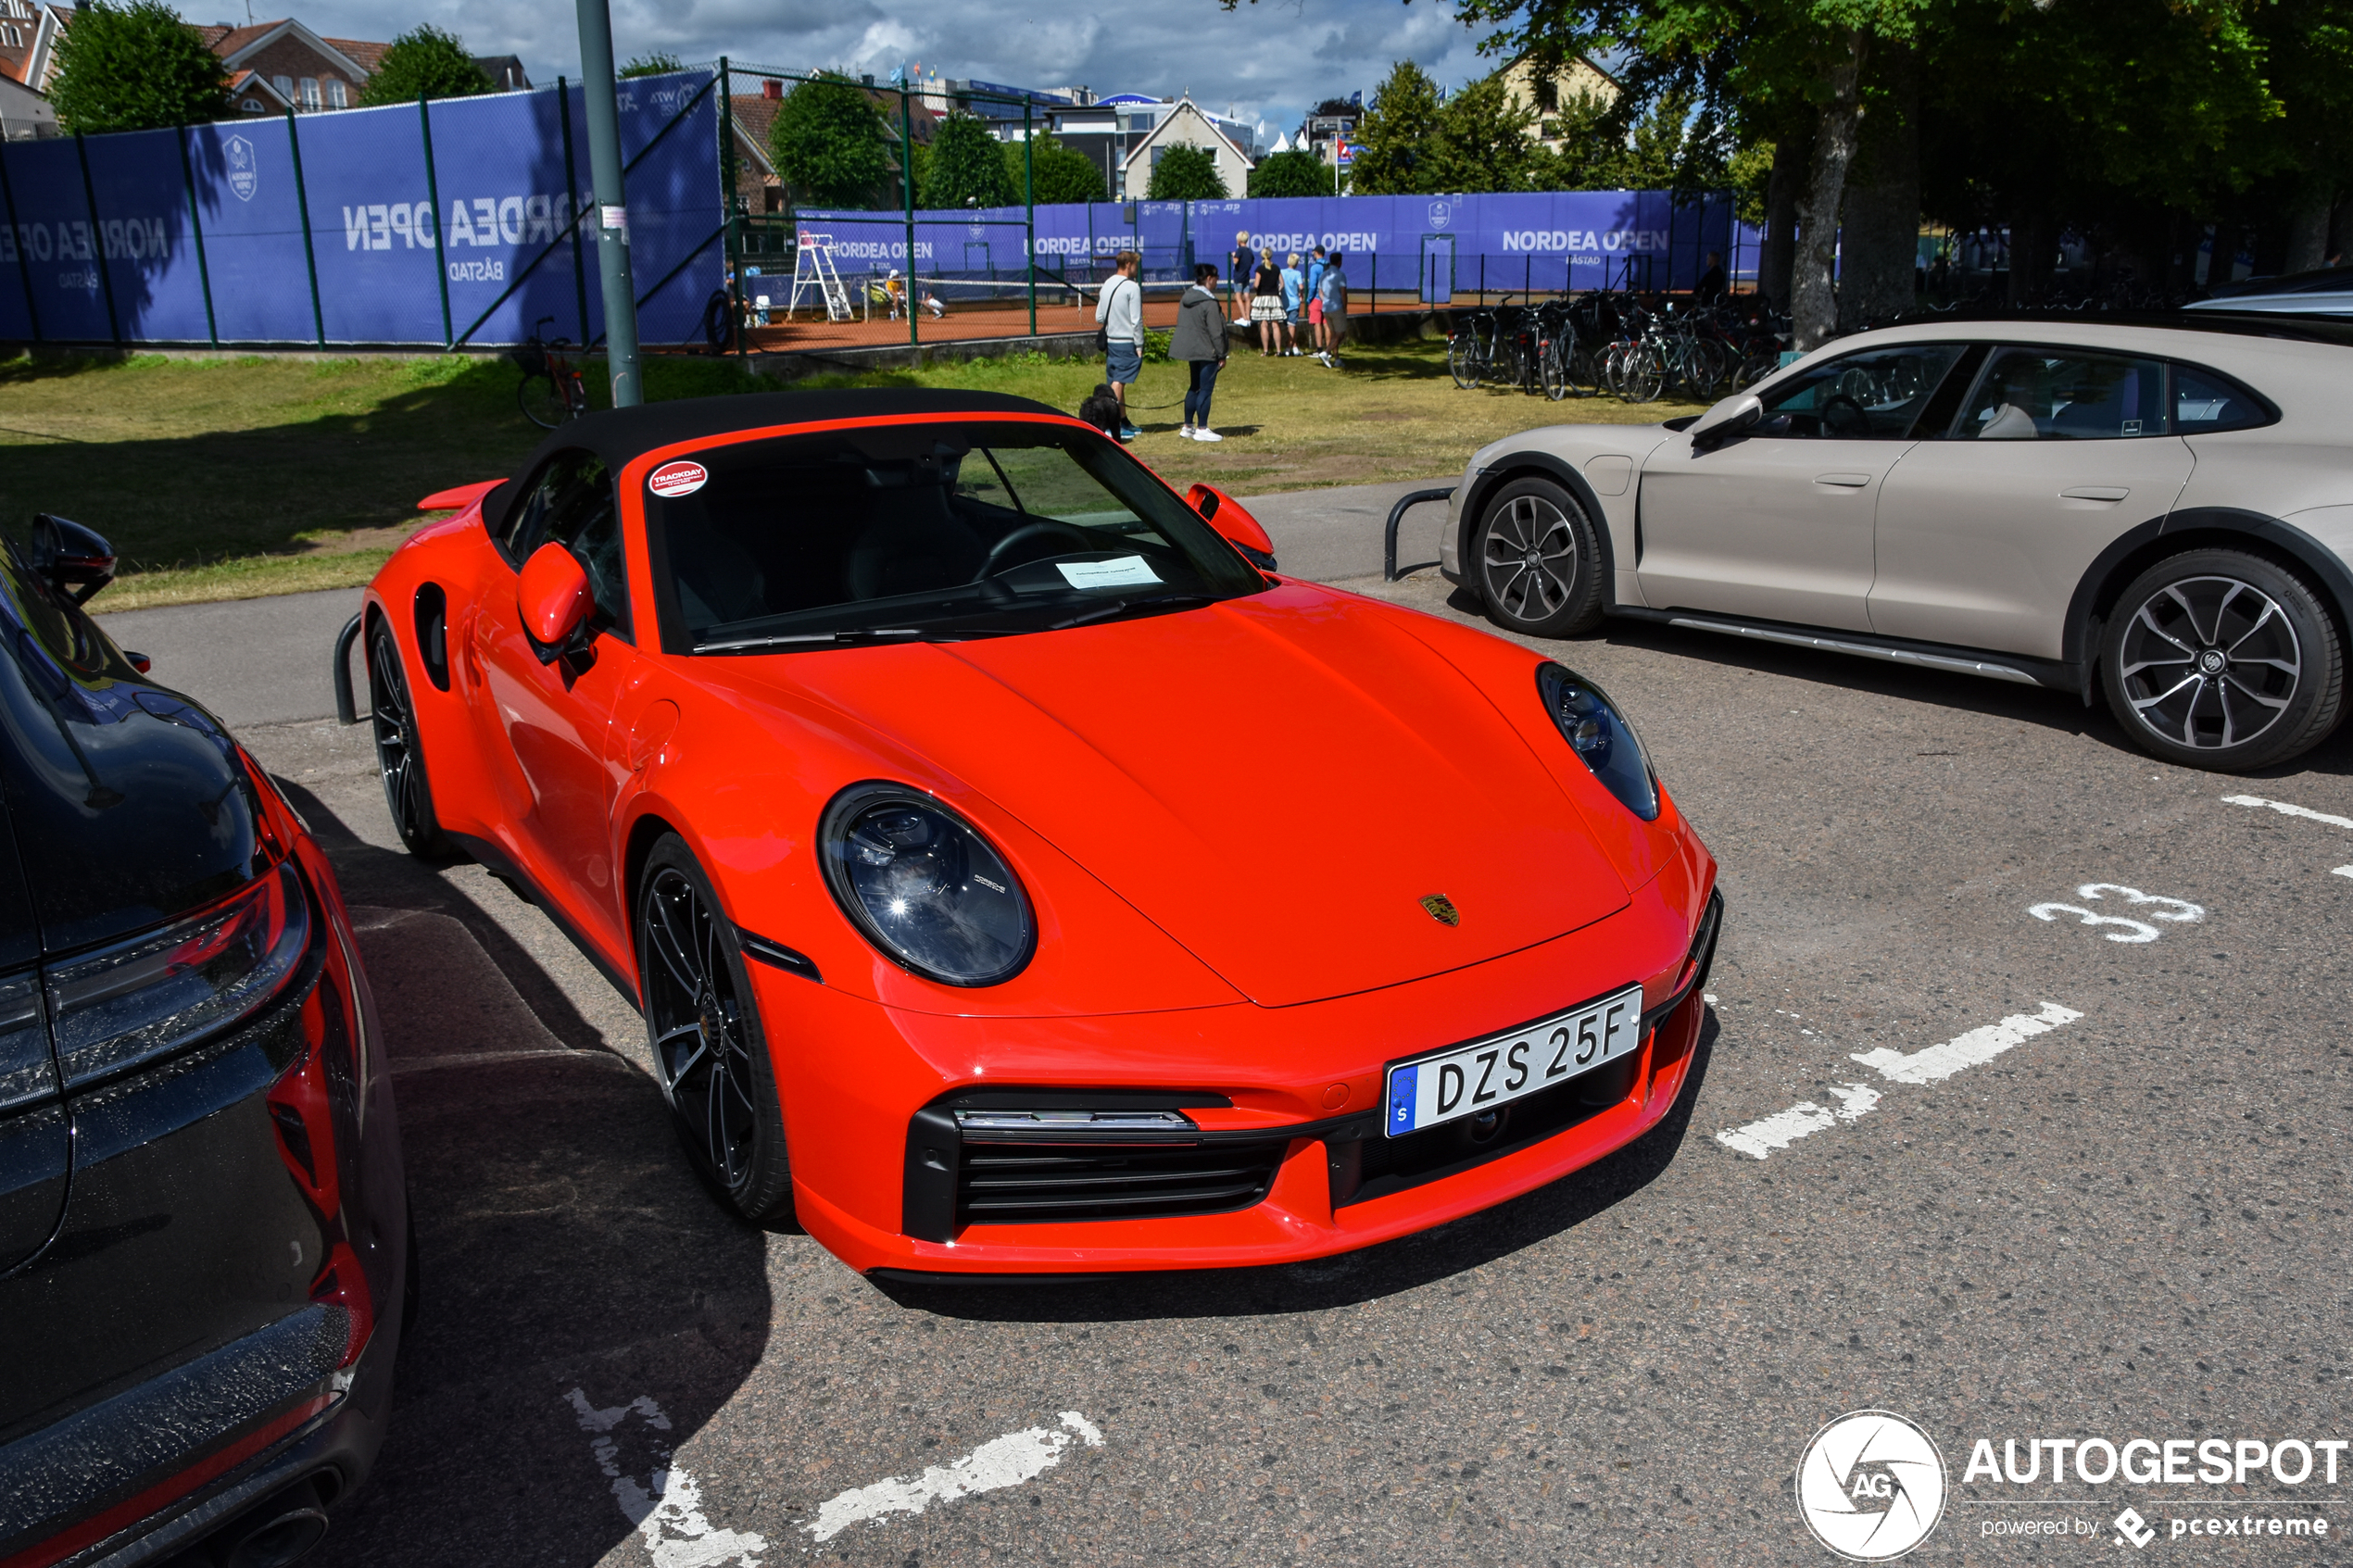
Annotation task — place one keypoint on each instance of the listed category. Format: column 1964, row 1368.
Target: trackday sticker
column 1127, row 571
column 677, row 479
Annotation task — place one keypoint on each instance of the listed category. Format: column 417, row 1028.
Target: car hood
column 1279, row 783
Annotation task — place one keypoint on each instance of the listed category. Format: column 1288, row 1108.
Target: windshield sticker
column 1127, row 571
column 677, row 479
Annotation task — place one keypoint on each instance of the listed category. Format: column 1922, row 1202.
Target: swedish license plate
column 1469, row 1080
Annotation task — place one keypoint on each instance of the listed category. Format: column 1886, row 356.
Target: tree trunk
column 1792, row 153
column 1878, row 254
column 1813, row 285
column 2030, row 258
column 2307, row 225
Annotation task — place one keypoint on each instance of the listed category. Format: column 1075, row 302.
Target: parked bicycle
column 552, row 391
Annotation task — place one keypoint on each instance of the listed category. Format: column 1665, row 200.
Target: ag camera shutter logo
column 1871, row 1486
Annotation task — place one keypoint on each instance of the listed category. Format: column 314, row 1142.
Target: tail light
column 150, row 996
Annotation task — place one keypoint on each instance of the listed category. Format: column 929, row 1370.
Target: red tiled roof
column 364, row 55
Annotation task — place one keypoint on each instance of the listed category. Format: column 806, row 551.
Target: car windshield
column 941, row 530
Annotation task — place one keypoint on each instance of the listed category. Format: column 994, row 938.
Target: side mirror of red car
column 554, row 599
column 1228, row 515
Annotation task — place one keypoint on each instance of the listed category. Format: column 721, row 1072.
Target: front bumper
column 1285, row 1100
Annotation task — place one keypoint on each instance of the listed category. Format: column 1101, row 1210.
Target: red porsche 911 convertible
column 1018, row 875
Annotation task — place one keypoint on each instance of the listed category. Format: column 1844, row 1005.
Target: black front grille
column 1042, row 1182
column 1376, row 1166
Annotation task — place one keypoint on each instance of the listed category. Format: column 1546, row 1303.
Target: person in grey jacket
column 1199, row 340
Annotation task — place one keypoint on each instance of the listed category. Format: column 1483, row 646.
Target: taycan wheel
column 2223, row 661
column 399, row 757
column 1539, row 567
column 709, row 1048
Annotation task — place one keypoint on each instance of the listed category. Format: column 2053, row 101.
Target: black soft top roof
column 618, row 436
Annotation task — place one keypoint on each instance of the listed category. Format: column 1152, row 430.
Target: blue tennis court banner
column 411, row 224
column 1550, row 241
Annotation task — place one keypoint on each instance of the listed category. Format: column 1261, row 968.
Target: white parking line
column 1932, row 1065
column 2342, row 871
column 667, row 1507
column 1001, row 1461
column 2287, row 810
column 1938, row 1063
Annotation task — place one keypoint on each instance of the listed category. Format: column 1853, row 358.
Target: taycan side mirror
column 1733, row 417
column 555, row 599
column 1228, row 517
column 70, row 558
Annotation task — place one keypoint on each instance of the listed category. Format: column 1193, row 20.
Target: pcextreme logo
column 1871, row 1485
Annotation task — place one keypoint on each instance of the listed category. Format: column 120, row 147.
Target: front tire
column 401, row 757
column 710, row 1051
column 1538, row 563
column 2223, row 661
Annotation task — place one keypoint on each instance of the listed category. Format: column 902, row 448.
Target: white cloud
column 1270, row 60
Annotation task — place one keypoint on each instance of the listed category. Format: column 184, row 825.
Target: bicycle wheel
column 542, row 401
column 1463, row 359
column 1584, row 373
column 575, row 393
column 1644, row 376
column 1555, row 370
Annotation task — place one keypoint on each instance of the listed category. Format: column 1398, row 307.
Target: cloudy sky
column 1270, row 60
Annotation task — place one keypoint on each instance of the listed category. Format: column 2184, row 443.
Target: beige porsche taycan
column 2158, row 512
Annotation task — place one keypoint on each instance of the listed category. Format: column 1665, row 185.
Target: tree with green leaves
column 1058, row 173
column 1291, row 174
column 830, row 147
column 1187, row 174
column 1398, row 150
column 135, row 68
column 654, row 62
column 425, row 62
column 966, row 167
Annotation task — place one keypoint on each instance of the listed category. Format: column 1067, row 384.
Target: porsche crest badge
column 1442, row 910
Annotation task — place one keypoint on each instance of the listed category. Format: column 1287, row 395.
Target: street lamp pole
column 612, row 208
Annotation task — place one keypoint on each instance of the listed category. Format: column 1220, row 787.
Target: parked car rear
column 204, row 1235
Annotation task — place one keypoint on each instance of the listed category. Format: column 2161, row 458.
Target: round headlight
column 923, row 886
column 1601, row 738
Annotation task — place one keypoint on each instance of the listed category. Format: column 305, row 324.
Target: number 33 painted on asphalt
column 2178, row 911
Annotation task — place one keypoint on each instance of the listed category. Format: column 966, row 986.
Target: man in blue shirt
column 1294, row 302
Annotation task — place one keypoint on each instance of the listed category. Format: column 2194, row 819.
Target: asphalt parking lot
column 2021, row 1112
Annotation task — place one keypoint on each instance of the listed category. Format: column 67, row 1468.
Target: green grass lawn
column 231, row 477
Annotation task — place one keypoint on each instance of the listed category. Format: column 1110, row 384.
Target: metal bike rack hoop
column 1389, row 570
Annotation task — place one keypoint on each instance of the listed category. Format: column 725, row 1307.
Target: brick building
column 271, row 67
column 277, row 64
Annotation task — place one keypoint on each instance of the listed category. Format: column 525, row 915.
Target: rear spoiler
column 460, row 497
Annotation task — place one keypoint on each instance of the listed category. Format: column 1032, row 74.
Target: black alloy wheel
column 2224, row 660
column 1538, row 563
column 710, row 1051
column 399, row 757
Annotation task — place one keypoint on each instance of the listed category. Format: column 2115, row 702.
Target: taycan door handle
column 1843, row 480
column 2096, row 493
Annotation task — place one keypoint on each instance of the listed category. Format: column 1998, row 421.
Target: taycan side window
column 573, row 504
column 2205, row 403
column 2034, row 394
column 1875, row 395
column 938, row 531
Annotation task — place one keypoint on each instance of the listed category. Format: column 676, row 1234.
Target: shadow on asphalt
column 572, row 1266
column 2039, row 706
column 1351, row 1278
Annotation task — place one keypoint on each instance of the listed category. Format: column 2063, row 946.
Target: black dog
column 1103, row 409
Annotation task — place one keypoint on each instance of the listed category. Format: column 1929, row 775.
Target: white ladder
column 813, row 272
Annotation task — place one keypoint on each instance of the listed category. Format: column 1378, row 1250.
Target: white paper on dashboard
column 1126, row 571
